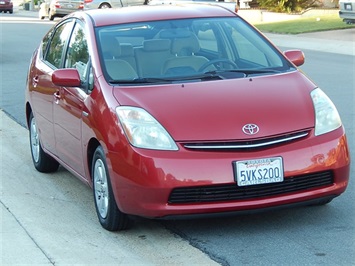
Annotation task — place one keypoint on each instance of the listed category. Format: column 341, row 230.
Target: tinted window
column 77, row 54
column 58, row 43
column 187, row 47
column 45, row 42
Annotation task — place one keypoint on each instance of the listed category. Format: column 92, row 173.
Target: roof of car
column 111, row 16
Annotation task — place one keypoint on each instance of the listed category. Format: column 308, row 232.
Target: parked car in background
column 347, row 11
column 6, row 6
column 59, row 8
column 43, row 9
column 178, row 111
column 94, row 4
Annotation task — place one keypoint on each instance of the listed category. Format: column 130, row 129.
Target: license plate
column 348, row 7
column 259, row 171
column 2, row 3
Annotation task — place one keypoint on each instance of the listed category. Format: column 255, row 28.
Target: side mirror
column 295, row 56
column 67, row 77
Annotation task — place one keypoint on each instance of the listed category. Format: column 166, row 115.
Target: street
column 56, row 214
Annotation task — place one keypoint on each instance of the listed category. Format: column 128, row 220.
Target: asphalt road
column 52, row 217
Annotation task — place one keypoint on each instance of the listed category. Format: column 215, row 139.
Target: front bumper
column 143, row 180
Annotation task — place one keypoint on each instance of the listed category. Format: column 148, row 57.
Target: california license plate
column 259, row 171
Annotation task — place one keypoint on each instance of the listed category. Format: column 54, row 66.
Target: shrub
column 288, row 6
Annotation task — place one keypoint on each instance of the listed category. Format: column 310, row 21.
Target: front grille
column 246, row 144
column 231, row 192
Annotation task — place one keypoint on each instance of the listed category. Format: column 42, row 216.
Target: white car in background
column 347, row 11
column 59, row 8
column 95, row 4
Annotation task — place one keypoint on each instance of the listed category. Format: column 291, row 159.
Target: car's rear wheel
column 41, row 160
column 50, row 16
column 110, row 217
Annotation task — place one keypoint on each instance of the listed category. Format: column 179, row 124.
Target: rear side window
column 45, row 42
column 57, row 45
column 77, row 53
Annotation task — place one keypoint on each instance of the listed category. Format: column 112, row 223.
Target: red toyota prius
column 181, row 111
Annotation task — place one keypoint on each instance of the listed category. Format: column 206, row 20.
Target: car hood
column 218, row 110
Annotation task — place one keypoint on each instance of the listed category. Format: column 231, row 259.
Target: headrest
column 184, row 42
column 110, row 46
column 126, row 49
column 185, row 45
column 156, row 45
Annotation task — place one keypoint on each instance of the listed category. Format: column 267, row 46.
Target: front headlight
column 143, row 130
column 327, row 116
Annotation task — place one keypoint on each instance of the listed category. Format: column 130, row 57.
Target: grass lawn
column 303, row 25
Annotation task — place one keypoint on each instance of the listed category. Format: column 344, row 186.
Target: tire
column 41, row 160
column 110, row 217
column 50, row 16
column 104, row 6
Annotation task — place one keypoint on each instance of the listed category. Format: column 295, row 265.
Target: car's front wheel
column 110, row 217
column 41, row 160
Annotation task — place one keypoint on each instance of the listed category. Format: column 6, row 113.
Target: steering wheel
column 215, row 61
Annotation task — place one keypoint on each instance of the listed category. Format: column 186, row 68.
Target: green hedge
column 288, row 6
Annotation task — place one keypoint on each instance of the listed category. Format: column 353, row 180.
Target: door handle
column 56, row 97
column 35, row 80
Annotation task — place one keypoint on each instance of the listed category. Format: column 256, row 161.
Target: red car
column 6, row 6
column 180, row 111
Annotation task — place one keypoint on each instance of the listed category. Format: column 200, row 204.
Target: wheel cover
column 101, row 188
column 104, row 6
column 34, row 140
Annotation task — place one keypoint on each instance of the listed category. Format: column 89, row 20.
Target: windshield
column 189, row 49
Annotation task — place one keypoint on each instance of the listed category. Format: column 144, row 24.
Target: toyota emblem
column 250, row 129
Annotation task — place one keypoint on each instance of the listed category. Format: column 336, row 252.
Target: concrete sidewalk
column 337, row 41
column 49, row 219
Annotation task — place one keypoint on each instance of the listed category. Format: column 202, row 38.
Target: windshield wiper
column 245, row 72
column 209, row 75
column 172, row 79
column 141, row 80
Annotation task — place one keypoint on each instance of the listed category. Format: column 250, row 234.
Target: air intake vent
column 231, row 192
